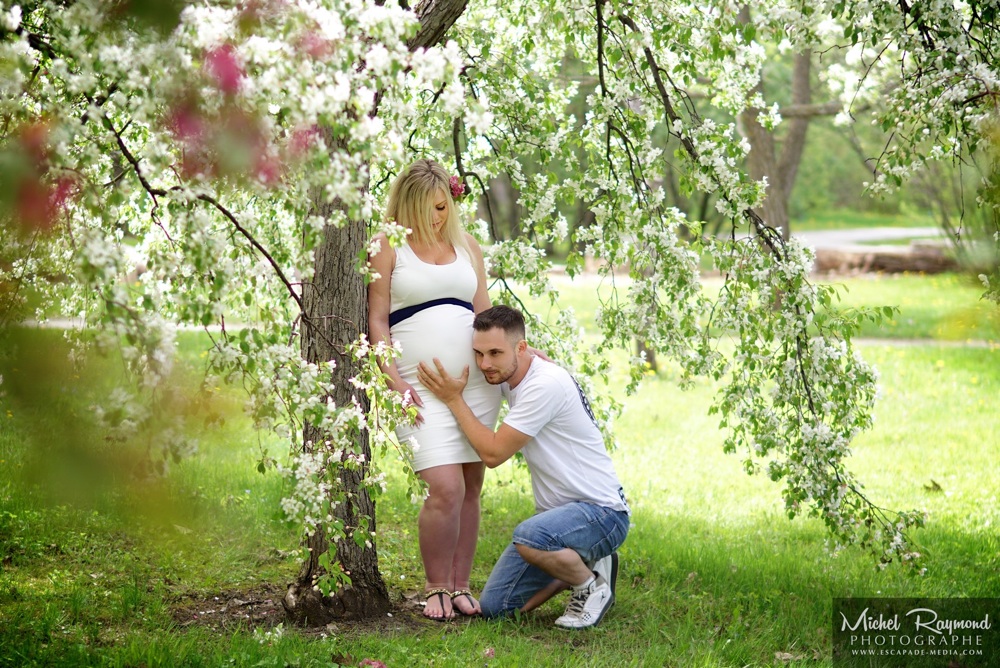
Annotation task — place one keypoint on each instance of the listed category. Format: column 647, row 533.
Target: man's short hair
column 503, row 317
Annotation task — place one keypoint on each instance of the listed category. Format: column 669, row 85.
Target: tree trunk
column 505, row 209
column 762, row 161
column 336, row 309
column 795, row 139
column 436, row 18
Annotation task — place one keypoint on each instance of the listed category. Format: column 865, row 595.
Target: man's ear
column 522, row 347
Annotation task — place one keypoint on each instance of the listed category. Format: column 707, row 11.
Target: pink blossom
column 374, row 663
column 268, row 170
column 34, row 140
column 315, row 45
column 37, row 197
column 38, row 203
column 225, row 68
column 303, row 139
column 187, row 123
column 61, row 192
column 457, row 187
column 33, row 204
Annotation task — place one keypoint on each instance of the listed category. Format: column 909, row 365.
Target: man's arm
column 494, row 448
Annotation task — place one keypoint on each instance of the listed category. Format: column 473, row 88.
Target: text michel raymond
column 924, row 619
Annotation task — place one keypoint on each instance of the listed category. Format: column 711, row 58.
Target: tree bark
column 336, row 312
column 436, row 18
column 763, row 161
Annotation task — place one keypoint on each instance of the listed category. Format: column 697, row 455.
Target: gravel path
column 863, row 235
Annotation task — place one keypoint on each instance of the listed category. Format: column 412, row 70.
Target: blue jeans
column 593, row 531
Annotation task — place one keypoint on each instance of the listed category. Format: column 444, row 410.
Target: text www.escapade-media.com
column 915, row 651
column 881, row 645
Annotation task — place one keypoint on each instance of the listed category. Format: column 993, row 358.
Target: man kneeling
column 582, row 516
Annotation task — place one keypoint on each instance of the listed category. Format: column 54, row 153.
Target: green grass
column 714, row 574
column 904, row 241
column 941, row 307
column 839, row 220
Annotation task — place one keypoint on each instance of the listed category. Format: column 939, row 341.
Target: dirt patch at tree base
column 261, row 608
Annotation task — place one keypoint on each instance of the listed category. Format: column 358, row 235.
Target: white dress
column 442, row 329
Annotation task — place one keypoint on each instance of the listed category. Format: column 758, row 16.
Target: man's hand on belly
column 442, row 385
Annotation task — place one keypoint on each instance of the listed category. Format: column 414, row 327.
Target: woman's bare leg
column 439, row 525
column 468, row 536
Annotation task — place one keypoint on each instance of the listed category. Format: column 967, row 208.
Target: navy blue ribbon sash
column 402, row 314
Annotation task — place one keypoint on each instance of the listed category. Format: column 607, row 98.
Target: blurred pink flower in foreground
column 27, row 187
column 224, row 67
column 224, row 140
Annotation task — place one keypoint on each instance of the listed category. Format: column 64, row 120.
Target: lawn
column 941, row 307
column 840, row 220
column 932, row 308
column 129, row 572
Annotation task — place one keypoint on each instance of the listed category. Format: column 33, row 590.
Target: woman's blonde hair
column 411, row 203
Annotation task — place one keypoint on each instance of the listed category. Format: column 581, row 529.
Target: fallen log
column 918, row 257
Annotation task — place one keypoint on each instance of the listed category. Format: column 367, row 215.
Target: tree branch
column 603, row 84
column 456, row 129
column 436, row 18
column 156, row 192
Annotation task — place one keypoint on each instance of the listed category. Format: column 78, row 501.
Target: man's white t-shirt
column 566, row 455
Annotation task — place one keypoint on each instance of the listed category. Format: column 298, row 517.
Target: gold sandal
column 463, row 592
column 442, row 592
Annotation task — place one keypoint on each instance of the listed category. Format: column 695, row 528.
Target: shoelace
column 577, row 602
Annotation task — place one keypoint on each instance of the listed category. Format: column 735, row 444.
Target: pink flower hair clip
column 458, row 188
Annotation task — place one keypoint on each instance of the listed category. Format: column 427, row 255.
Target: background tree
column 764, row 160
column 942, row 104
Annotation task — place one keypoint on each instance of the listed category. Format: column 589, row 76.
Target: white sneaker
column 608, row 568
column 587, row 606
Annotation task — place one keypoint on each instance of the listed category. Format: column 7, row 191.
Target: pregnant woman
column 425, row 298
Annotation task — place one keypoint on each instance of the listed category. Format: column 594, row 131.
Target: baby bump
column 443, row 332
